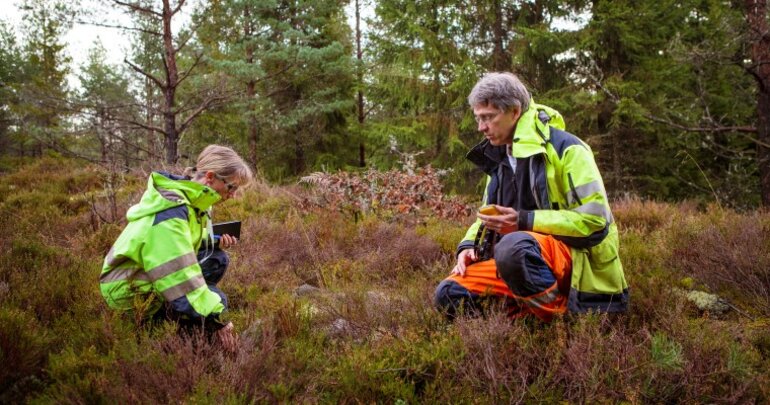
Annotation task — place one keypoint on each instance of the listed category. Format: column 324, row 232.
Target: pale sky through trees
column 82, row 36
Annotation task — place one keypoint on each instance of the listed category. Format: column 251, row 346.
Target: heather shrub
column 645, row 216
column 44, row 205
column 255, row 365
column 396, row 250
column 728, row 252
column 99, row 242
column 77, row 377
column 587, row 350
column 161, row 369
column 707, row 375
column 404, row 369
column 446, row 234
column 45, row 280
column 47, row 173
column 24, row 348
column 488, row 345
column 369, row 332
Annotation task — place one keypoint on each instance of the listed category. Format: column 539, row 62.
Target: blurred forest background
column 673, row 96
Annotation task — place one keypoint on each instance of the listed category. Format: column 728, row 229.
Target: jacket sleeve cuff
column 526, row 220
column 213, row 323
column 466, row 244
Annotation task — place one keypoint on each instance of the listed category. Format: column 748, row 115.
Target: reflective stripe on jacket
column 565, row 197
column 154, row 258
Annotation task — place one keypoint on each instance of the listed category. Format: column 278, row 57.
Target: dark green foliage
column 24, row 347
column 289, row 63
column 661, row 91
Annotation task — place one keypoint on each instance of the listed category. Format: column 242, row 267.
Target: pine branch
column 178, row 7
column 718, row 128
column 146, row 74
column 744, row 129
column 136, row 7
column 120, row 27
column 184, row 42
column 141, row 125
column 61, row 149
column 187, row 72
column 132, row 144
column 208, row 103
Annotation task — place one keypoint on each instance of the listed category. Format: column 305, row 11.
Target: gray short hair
column 503, row 90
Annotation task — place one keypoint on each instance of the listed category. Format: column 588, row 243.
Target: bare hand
column 464, row 259
column 506, row 222
column 227, row 241
column 227, row 337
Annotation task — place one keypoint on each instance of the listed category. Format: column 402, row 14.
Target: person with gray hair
column 544, row 241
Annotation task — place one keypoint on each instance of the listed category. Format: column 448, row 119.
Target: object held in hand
column 232, row 228
column 489, row 210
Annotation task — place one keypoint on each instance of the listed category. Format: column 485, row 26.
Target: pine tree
column 44, row 94
column 177, row 116
column 103, row 96
column 12, row 77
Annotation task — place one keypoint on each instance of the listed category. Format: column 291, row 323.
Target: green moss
column 445, row 233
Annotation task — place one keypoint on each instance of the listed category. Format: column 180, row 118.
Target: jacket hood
column 529, row 138
column 166, row 191
column 532, row 132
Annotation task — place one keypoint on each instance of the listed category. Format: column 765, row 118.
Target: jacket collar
column 530, row 138
column 193, row 193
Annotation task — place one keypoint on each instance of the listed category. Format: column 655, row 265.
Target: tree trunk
column 251, row 88
column 299, row 155
column 172, row 78
column 763, row 152
column 759, row 40
column 500, row 59
column 253, row 125
column 152, row 147
column 360, row 57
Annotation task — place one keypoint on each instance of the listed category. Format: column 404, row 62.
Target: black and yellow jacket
column 154, row 258
column 557, row 190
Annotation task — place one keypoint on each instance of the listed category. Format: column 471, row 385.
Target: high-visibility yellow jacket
column 154, row 258
column 559, row 191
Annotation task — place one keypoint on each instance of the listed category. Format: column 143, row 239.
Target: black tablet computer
column 232, row 228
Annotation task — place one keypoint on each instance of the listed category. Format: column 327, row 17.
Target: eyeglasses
column 486, row 118
column 230, row 186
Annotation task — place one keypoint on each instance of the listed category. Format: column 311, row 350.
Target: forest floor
column 334, row 304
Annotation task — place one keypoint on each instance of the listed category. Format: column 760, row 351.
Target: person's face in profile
column 226, row 188
column 496, row 125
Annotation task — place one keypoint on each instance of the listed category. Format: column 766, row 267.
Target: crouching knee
column 215, row 265
column 521, row 265
column 451, row 299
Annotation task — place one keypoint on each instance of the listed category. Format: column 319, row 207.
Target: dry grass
column 369, row 333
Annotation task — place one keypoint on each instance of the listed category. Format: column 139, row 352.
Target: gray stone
column 305, row 290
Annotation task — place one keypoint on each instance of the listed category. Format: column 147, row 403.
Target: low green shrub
column 24, row 351
column 369, row 333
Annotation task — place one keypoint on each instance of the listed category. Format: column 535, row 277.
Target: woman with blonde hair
column 153, row 271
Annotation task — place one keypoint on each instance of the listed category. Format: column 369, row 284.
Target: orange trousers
column 534, row 274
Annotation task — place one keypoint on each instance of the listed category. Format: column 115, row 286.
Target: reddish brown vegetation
column 400, row 191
